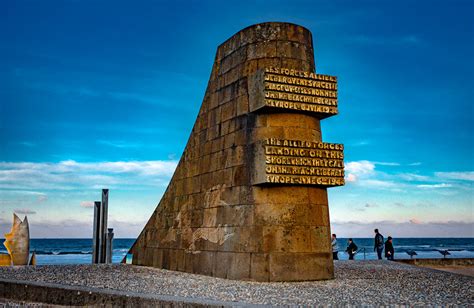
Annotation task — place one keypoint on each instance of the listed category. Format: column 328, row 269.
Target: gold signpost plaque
column 282, row 161
column 294, row 90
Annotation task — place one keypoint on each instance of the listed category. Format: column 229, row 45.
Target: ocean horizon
column 79, row 250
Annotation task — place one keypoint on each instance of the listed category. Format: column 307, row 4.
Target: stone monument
column 248, row 199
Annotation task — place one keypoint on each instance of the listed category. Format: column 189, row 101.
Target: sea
column 79, row 251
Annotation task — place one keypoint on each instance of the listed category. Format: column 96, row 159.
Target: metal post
column 96, row 233
column 103, row 224
column 110, row 246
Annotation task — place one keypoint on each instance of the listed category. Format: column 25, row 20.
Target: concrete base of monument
column 356, row 283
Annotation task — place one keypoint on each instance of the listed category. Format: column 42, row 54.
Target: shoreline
column 355, row 283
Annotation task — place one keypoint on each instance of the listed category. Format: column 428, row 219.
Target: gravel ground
column 356, row 283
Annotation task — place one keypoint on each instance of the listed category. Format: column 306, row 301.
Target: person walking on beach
column 334, row 247
column 351, row 249
column 378, row 243
column 389, row 251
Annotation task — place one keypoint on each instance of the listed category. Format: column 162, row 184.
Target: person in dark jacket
column 378, row 243
column 389, row 251
column 334, row 247
column 351, row 249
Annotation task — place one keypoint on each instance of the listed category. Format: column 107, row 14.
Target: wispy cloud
column 413, row 177
column 465, row 176
column 366, row 174
column 441, row 185
column 371, row 205
column 386, row 164
column 361, row 143
column 410, row 228
column 27, row 144
column 42, row 198
column 20, row 198
column 87, row 204
column 415, row 221
column 119, row 143
column 363, row 173
column 358, row 168
column 85, row 91
column 73, row 228
column 69, row 175
column 374, row 183
column 25, row 211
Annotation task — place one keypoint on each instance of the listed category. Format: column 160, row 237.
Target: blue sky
column 104, row 94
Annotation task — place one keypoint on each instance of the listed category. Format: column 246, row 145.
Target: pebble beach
column 371, row 283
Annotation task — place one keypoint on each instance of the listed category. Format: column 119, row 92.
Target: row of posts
column 103, row 237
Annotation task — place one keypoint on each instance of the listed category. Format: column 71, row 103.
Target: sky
column 104, row 94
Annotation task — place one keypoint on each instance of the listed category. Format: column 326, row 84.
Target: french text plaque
column 294, row 90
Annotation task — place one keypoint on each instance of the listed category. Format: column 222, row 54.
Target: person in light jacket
column 334, row 247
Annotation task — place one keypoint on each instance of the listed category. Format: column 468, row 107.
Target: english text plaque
column 298, row 162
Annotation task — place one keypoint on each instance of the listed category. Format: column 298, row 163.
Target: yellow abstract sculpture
column 17, row 243
column 5, row 260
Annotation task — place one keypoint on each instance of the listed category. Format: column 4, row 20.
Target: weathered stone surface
column 213, row 219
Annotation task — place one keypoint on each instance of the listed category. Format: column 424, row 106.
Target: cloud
column 356, row 169
column 364, row 174
column 365, row 207
column 71, row 175
column 410, row 228
column 87, row 204
column 25, row 211
column 361, row 143
column 84, row 91
column 386, row 163
column 42, row 198
column 119, row 144
column 360, row 167
column 425, row 204
column 463, row 176
column 369, row 205
column 72, row 228
column 379, row 184
column 413, row 177
column 351, row 178
column 27, row 144
column 415, row 164
column 442, row 185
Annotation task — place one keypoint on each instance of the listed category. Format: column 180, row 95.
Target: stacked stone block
column 212, row 220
